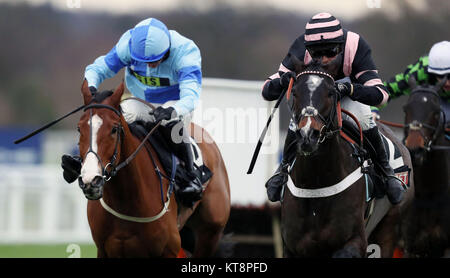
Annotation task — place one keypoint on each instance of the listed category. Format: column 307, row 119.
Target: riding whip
column 98, row 97
column 263, row 134
column 47, row 125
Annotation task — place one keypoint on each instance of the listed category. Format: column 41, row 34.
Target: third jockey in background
column 325, row 39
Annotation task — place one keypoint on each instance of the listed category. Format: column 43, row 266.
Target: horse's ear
column 298, row 65
column 333, row 67
column 87, row 95
column 412, row 82
column 117, row 95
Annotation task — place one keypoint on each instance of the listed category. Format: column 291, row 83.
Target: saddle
column 375, row 184
column 168, row 159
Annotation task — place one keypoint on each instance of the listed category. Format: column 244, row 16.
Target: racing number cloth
column 151, row 80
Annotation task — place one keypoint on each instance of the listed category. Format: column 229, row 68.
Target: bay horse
column 427, row 227
column 132, row 211
column 323, row 208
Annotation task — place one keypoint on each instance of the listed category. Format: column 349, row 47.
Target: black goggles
column 327, row 51
column 442, row 76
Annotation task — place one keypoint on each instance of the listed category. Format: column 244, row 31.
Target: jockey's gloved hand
column 285, row 78
column 344, row 89
column 93, row 90
column 375, row 113
column 162, row 113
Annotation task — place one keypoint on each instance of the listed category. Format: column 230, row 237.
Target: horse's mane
column 315, row 65
column 99, row 97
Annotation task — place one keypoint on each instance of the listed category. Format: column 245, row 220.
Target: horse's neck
column 131, row 182
column 432, row 178
column 332, row 163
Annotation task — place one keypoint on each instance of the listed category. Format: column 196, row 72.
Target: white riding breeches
column 134, row 110
column 361, row 111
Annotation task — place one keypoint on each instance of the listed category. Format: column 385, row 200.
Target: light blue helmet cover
column 150, row 40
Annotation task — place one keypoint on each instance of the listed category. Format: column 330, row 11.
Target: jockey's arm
column 367, row 85
column 398, row 85
column 272, row 88
column 108, row 65
column 189, row 77
column 189, row 96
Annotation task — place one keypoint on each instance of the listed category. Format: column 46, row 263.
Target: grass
column 48, row 251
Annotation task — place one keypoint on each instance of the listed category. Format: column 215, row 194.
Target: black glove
column 71, row 166
column 344, row 89
column 93, row 90
column 161, row 113
column 286, row 77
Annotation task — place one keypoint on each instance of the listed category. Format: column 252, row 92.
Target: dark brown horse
column 427, row 227
column 322, row 211
column 137, row 214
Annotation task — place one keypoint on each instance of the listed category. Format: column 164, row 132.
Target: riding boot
column 193, row 190
column 394, row 188
column 275, row 184
column 71, row 166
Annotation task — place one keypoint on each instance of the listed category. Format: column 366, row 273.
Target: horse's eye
column 78, row 129
column 114, row 130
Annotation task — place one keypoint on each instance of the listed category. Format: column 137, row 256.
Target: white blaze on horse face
column 91, row 166
column 313, row 82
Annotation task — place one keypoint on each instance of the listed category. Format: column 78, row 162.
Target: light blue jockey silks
column 179, row 77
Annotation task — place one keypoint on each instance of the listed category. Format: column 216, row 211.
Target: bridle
column 106, row 175
column 327, row 129
column 420, row 126
column 114, row 168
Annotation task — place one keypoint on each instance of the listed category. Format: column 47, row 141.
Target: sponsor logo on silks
column 151, row 81
column 403, row 176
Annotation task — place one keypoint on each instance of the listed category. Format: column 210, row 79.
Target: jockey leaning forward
column 325, row 39
column 163, row 68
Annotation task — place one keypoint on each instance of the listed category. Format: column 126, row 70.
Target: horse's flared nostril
column 97, row 181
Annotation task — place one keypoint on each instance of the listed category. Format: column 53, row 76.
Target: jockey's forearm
column 97, row 72
column 370, row 95
column 189, row 97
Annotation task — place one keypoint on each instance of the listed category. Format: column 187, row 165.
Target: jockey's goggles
column 325, row 50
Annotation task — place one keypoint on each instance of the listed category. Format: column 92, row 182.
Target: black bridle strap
column 133, row 155
column 98, row 105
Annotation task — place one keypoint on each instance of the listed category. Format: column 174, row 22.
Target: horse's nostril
column 97, row 181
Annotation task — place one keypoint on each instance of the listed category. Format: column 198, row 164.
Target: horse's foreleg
column 355, row 248
column 207, row 240
column 101, row 253
column 386, row 234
